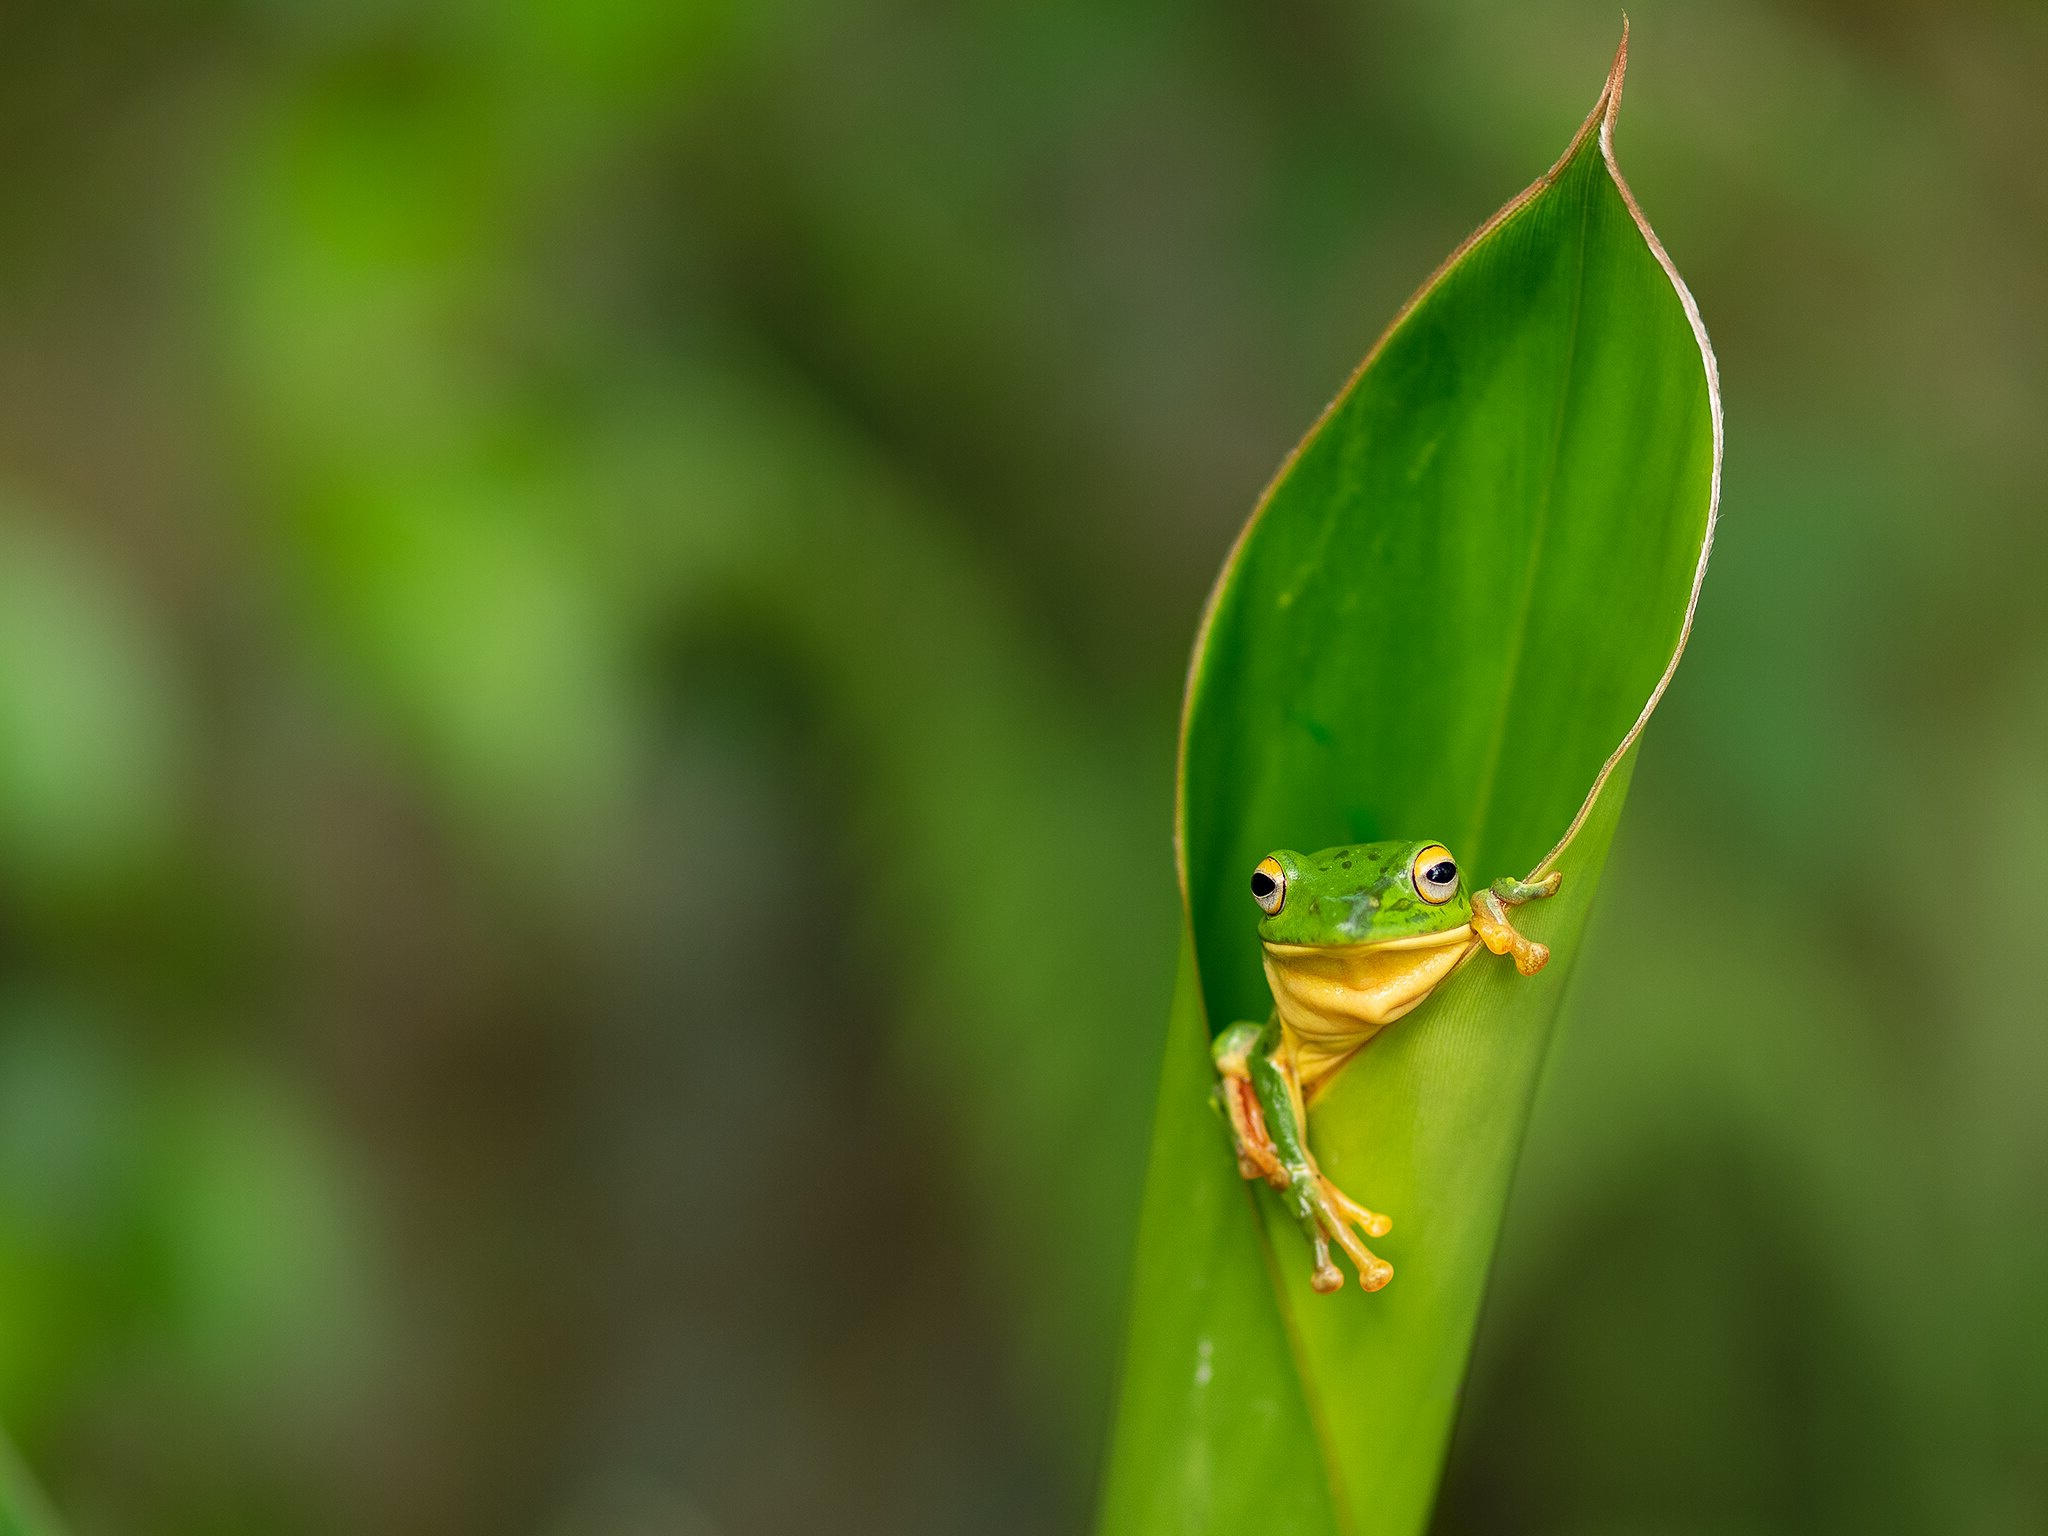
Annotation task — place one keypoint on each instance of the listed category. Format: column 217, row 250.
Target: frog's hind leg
column 1325, row 1212
column 1257, row 1158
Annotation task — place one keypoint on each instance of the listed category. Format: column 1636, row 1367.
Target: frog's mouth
column 1334, row 998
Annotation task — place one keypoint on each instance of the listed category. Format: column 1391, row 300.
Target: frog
column 1354, row 938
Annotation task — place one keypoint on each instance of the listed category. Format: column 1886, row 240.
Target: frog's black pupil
column 1263, row 885
column 1443, row 872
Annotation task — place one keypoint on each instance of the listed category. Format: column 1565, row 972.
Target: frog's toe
column 1327, row 1277
column 1371, row 1223
column 1373, row 1271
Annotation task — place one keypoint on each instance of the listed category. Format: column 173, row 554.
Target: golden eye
column 1269, row 886
column 1436, row 875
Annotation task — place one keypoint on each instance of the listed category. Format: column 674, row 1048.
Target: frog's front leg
column 1490, row 919
column 1262, row 1099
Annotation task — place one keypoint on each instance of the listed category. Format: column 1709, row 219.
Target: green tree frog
column 1354, row 937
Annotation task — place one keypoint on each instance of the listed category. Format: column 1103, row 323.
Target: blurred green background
column 592, row 600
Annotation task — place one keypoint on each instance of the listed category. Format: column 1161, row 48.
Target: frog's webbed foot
column 1329, row 1215
column 1490, row 919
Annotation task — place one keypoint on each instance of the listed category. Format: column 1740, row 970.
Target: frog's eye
column 1436, row 874
column 1269, row 886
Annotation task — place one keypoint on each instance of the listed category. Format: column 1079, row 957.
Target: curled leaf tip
column 1609, row 107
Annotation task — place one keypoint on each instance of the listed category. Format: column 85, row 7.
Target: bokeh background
column 592, row 599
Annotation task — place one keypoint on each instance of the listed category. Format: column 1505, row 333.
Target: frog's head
column 1363, row 893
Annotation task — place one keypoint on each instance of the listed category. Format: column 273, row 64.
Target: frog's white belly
column 1333, row 1000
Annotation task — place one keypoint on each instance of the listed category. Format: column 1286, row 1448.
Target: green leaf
column 1450, row 617
column 23, row 1509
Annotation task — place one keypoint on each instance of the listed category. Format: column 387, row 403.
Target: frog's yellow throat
column 1333, row 999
